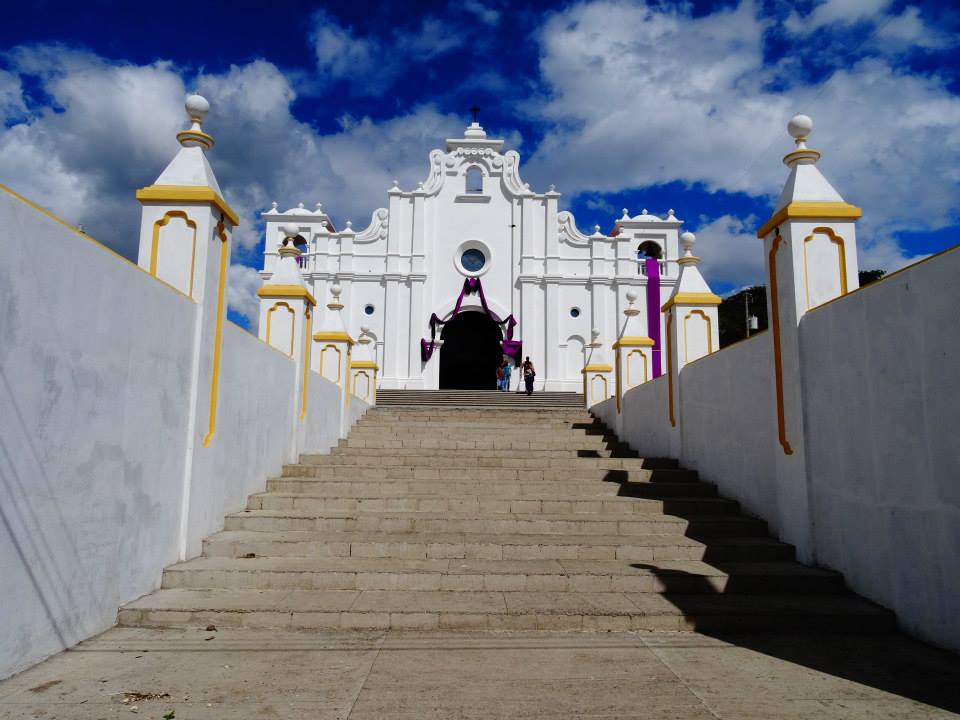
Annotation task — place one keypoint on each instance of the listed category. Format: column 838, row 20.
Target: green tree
column 733, row 316
column 869, row 276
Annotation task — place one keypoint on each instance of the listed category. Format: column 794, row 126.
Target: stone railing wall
column 879, row 499
column 104, row 475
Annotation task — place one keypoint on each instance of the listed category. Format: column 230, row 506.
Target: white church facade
column 473, row 264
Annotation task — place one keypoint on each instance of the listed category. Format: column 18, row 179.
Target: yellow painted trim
column 354, row 388
column 810, row 210
column 187, row 193
column 197, row 136
column 155, row 244
column 292, row 324
column 777, row 360
column 288, row 291
column 646, row 370
column 633, row 341
column 686, row 342
column 692, row 299
column 306, row 362
column 603, row 379
column 333, row 336
column 841, row 260
column 670, row 413
column 370, row 364
column 339, row 358
column 597, row 367
column 618, row 368
column 346, row 382
column 804, row 153
column 218, row 336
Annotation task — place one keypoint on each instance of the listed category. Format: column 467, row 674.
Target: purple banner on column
column 652, row 267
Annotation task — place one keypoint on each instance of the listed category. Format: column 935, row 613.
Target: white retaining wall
column 881, row 394
column 882, row 405
column 95, row 363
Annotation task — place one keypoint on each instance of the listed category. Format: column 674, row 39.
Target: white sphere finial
column 687, row 240
column 594, row 333
column 631, row 296
column 335, row 290
column 364, row 329
column 197, row 107
column 291, row 230
column 800, row 127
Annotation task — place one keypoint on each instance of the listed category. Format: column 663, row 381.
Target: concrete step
column 581, row 459
column 676, row 576
column 490, row 506
column 479, row 398
column 479, row 546
column 522, row 423
column 410, row 469
column 531, row 410
column 570, row 526
column 587, row 442
column 515, row 434
column 490, row 489
column 381, row 609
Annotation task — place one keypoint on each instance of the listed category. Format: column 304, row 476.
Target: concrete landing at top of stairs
column 258, row 674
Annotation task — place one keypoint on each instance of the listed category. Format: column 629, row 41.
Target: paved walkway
column 238, row 674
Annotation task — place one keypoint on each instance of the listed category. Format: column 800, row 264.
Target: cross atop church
column 476, row 112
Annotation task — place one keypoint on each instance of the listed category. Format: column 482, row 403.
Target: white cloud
column 372, row 64
column 242, row 285
column 339, row 53
column 730, row 250
column 835, row 12
column 908, row 31
column 484, row 13
column 116, row 131
column 112, row 132
column 641, row 96
column 11, row 97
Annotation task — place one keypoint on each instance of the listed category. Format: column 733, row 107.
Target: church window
column 474, row 180
column 574, row 312
column 473, row 260
column 369, row 310
column 649, row 249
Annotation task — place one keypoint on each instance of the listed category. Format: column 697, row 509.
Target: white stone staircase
column 510, row 518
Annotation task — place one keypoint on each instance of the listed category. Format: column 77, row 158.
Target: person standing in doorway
column 500, row 378
column 529, row 373
column 507, row 372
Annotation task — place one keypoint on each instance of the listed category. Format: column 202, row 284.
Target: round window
column 574, row 312
column 473, row 260
column 369, row 309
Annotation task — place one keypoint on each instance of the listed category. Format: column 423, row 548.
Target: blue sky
column 620, row 104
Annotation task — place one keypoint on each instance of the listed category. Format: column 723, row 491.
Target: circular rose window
column 473, row 260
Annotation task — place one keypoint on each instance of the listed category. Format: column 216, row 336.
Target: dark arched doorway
column 470, row 352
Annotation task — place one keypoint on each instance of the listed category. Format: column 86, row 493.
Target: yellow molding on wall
column 777, row 358
column 597, row 367
column 333, row 336
column 692, row 299
column 308, row 316
column 287, row 291
column 811, row 210
column 633, row 341
column 218, row 336
column 369, row 364
column 187, row 193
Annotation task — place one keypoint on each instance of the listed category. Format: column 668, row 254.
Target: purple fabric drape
column 509, row 346
column 652, row 266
